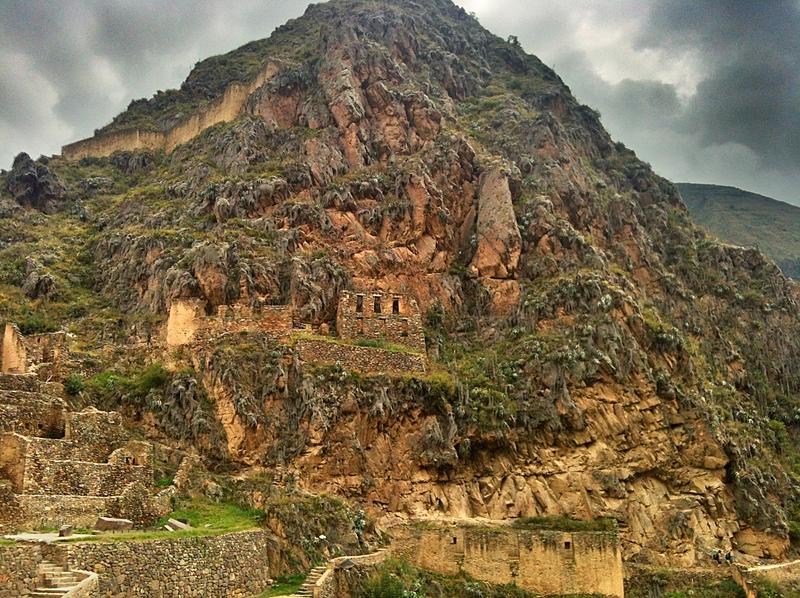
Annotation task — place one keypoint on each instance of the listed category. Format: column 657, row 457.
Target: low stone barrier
column 327, row 585
column 87, row 587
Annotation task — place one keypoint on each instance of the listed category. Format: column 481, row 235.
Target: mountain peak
column 588, row 350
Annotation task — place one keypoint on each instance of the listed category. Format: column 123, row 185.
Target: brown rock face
column 592, row 353
column 498, row 239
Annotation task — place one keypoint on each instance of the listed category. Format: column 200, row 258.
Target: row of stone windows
column 377, row 305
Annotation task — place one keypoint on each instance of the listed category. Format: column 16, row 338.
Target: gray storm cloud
column 705, row 90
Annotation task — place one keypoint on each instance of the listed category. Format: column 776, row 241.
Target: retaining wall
column 362, row 359
column 234, row 565
column 19, row 568
column 47, row 510
column 84, row 478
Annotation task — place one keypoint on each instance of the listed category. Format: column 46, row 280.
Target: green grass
column 284, row 585
column 206, row 518
column 202, row 513
column 566, row 524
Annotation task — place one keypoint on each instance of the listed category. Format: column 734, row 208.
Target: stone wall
column 330, row 584
column 13, row 451
column 379, row 315
column 82, row 478
column 20, row 355
column 31, row 415
column 188, row 321
column 233, row 565
column 361, row 359
column 46, row 510
column 12, row 513
column 545, row 562
column 46, row 353
column 94, row 458
column 185, row 317
column 19, row 568
column 224, row 109
column 100, row 429
column 13, row 358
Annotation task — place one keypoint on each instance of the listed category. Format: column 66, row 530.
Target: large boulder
column 37, row 283
column 34, row 185
column 498, row 238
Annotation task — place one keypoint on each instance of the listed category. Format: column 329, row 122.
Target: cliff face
column 592, row 353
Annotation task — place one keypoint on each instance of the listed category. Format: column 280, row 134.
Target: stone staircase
column 307, row 589
column 56, row 580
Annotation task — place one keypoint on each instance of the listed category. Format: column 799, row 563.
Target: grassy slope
column 744, row 218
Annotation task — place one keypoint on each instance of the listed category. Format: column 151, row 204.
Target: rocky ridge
column 594, row 353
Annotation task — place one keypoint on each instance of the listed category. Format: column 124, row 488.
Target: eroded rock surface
column 33, row 184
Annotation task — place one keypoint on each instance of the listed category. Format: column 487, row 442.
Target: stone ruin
column 42, row 354
column 188, row 320
column 59, row 467
column 361, row 316
column 379, row 315
column 374, row 315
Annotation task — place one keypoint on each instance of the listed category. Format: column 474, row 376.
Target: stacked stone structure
column 42, row 354
column 59, row 467
column 545, row 562
column 378, row 315
column 188, row 321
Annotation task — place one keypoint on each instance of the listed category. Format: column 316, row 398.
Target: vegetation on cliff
column 748, row 219
column 594, row 355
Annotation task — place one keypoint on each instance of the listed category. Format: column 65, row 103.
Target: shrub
column 74, row 385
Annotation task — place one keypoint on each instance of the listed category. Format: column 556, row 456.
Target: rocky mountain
column 591, row 352
column 747, row 219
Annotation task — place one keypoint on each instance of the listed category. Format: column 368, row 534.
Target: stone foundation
column 361, row 359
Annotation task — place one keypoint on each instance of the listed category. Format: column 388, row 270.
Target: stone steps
column 56, row 580
column 307, row 589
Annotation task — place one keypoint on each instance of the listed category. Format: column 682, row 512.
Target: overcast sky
column 704, row 90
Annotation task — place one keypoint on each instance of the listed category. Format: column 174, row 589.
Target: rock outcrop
column 592, row 352
column 33, row 184
column 498, row 240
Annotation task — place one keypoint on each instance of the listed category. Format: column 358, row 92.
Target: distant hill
column 745, row 218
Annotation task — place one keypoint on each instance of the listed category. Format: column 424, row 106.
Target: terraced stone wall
column 236, row 565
